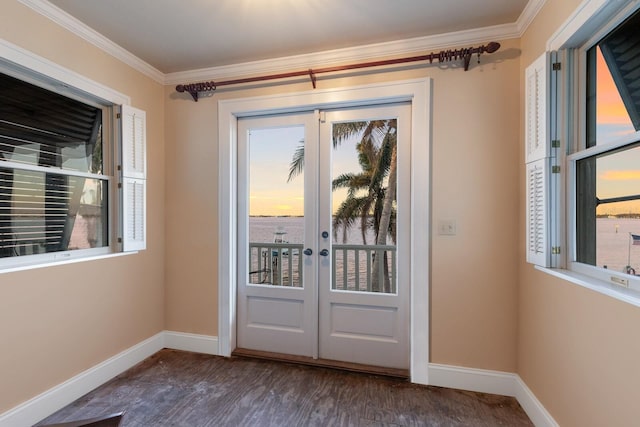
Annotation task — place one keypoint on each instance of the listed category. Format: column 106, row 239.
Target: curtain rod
column 442, row 56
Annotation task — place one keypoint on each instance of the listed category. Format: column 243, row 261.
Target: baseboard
column 532, row 406
column 191, row 342
column 494, row 382
column 45, row 404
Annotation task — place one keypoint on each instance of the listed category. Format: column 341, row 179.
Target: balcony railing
column 354, row 266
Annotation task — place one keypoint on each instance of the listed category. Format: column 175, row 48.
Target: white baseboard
column 532, row 406
column 45, row 404
column 494, row 382
column 191, row 342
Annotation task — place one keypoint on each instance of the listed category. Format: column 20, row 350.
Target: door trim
column 419, row 93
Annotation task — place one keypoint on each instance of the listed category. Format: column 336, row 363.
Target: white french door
column 323, row 235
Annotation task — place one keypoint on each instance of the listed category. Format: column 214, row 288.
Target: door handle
column 324, row 252
column 307, row 251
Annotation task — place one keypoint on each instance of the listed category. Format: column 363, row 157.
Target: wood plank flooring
column 175, row 388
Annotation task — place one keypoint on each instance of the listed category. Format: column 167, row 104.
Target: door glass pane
column 364, row 207
column 276, row 206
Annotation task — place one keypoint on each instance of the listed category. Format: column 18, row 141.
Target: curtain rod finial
column 492, row 47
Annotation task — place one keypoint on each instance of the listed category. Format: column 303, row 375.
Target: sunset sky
column 271, row 152
column 618, row 174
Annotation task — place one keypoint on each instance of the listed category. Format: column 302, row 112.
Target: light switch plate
column 447, row 227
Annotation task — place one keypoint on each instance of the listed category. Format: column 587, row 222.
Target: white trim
column 12, row 56
column 620, row 293
column 87, row 33
column 528, row 14
column 538, row 414
column 479, row 380
column 586, row 20
column 419, row 93
column 67, row 257
column 45, row 404
column 196, row 343
column 494, row 382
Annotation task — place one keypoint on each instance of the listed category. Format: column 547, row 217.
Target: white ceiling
column 180, row 35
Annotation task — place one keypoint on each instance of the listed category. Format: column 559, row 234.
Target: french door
column 323, row 235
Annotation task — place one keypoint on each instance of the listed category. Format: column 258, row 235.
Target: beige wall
column 577, row 350
column 59, row 321
column 475, row 182
column 489, row 309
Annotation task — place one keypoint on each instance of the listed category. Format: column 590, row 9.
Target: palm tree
column 377, row 155
column 368, row 199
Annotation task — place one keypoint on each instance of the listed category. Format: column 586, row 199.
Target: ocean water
column 263, row 229
column 614, row 245
column 614, row 248
column 283, row 269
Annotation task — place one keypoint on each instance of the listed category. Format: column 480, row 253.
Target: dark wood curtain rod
column 442, row 56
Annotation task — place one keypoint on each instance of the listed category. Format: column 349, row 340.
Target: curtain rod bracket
column 194, row 88
column 313, row 78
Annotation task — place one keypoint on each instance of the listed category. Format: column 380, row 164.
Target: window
column 606, row 162
column 583, row 151
column 60, row 195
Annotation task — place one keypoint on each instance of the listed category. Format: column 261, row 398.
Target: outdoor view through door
column 319, row 249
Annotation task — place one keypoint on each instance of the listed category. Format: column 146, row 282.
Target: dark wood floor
column 175, row 388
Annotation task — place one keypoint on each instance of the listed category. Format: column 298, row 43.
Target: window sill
column 45, row 264
column 620, row 293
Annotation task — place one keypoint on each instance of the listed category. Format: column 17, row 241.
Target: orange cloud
column 625, row 175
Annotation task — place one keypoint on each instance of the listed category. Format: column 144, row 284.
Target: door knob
column 324, row 252
column 307, row 251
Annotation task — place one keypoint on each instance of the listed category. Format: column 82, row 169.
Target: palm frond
column 297, row 162
column 346, row 130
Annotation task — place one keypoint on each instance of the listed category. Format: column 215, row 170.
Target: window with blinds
column 53, row 189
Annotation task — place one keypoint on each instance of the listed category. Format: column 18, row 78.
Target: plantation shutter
column 538, row 252
column 134, row 174
column 539, row 161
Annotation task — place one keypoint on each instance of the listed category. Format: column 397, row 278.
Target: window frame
column 589, row 24
column 26, row 66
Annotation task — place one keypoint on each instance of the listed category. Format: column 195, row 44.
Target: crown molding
column 528, row 14
column 413, row 46
column 83, row 31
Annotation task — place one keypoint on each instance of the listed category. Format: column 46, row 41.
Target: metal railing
column 354, row 267
column 275, row 264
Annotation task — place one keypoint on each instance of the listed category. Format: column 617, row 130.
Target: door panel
column 277, row 302
column 364, row 291
column 323, row 245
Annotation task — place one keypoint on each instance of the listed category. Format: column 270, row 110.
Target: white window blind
column 134, row 174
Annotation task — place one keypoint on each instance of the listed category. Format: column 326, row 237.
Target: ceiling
column 181, row 35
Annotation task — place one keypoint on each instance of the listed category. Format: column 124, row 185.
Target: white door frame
column 418, row 92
